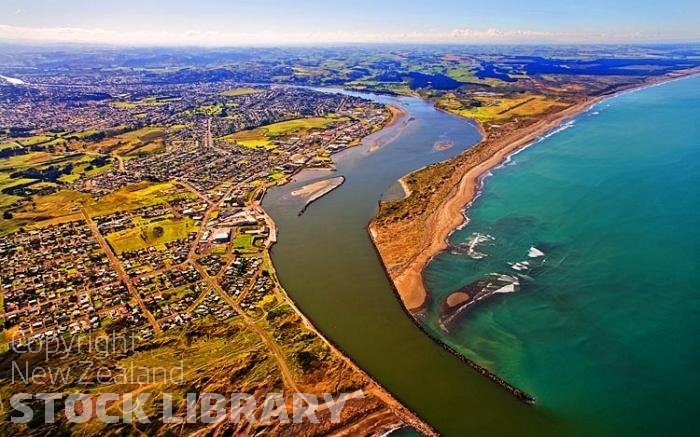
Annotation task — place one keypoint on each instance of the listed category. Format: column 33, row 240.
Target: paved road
column 120, row 270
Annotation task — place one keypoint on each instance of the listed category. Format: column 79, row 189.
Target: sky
column 280, row 22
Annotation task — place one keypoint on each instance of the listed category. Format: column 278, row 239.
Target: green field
column 145, row 102
column 244, row 243
column 263, row 136
column 132, row 197
column 37, row 139
column 60, row 206
column 148, row 235
column 30, row 208
column 6, row 181
column 285, row 127
column 495, row 107
column 241, row 91
column 66, row 204
column 276, row 175
column 213, row 110
column 10, row 145
column 19, row 162
column 81, row 165
column 145, row 139
column 256, row 143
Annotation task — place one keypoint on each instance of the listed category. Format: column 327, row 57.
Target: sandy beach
column 405, row 187
column 409, row 282
column 314, row 191
column 397, row 114
column 448, row 216
column 309, row 190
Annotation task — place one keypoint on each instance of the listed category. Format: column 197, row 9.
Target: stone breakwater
column 510, row 388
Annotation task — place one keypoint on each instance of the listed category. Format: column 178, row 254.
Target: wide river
column 328, row 265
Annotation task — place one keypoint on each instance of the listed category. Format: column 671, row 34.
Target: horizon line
column 266, row 38
column 325, row 44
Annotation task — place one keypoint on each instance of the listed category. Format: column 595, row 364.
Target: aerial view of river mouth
column 328, row 265
column 364, row 218
column 500, row 251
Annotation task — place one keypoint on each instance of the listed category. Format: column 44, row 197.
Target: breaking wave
column 470, row 247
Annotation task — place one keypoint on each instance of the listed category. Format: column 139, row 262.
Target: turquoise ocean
column 604, row 330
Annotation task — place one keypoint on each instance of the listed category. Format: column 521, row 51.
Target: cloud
column 267, row 37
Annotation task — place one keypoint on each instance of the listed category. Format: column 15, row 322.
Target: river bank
column 376, row 420
column 449, row 214
column 399, row 119
column 379, row 420
column 397, row 114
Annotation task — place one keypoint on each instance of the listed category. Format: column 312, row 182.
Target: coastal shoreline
column 510, row 388
column 450, row 214
column 453, row 214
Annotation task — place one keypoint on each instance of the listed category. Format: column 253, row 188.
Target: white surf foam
column 473, row 242
column 520, row 266
column 534, row 252
column 510, row 288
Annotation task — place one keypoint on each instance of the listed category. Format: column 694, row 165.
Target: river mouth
column 327, row 263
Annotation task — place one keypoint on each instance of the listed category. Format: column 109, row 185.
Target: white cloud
column 265, row 37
